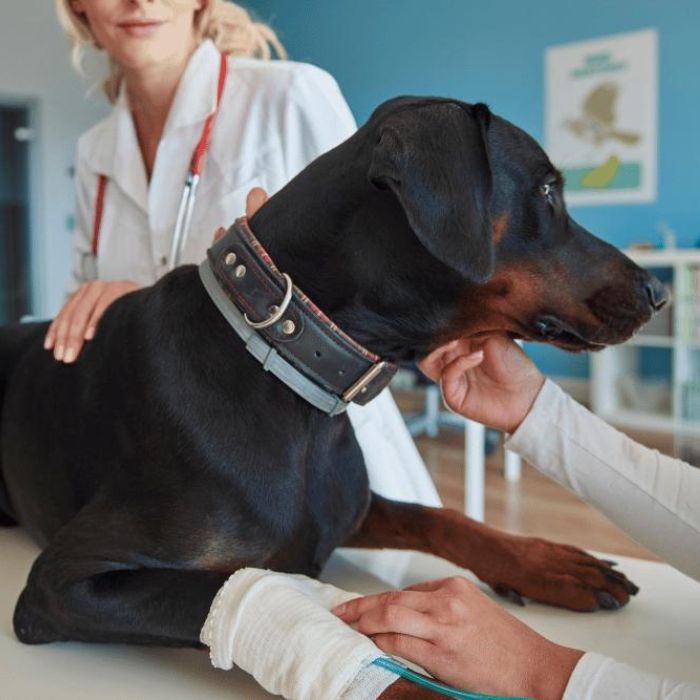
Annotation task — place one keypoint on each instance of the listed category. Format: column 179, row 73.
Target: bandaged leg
column 279, row 628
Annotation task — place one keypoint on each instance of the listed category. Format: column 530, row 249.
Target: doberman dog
column 165, row 458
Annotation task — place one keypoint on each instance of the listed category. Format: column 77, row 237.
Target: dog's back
column 14, row 340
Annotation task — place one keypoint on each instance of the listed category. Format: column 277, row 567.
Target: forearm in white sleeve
column 653, row 497
column 596, row 677
column 279, row 628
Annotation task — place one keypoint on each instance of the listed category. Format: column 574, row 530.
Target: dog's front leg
column 68, row 600
column 101, row 580
column 512, row 565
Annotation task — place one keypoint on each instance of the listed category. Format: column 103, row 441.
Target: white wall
column 34, row 64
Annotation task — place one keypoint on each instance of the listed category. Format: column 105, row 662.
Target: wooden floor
column 534, row 506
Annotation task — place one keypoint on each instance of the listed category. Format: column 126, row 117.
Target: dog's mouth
column 555, row 331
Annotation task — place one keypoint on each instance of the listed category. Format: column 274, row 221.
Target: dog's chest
column 287, row 511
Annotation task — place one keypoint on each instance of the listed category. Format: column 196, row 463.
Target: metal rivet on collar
column 240, row 271
column 230, row 259
column 288, row 327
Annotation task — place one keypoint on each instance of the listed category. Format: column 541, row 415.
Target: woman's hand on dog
column 255, row 199
column 489, row 380
column 463, row 638
column 77, row 321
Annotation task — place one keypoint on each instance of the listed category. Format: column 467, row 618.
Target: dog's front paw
column 556, row 574
column 29, row 627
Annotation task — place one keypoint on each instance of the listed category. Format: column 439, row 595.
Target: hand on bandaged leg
column 279, row 628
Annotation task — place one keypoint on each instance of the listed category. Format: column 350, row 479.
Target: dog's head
column 485, row 206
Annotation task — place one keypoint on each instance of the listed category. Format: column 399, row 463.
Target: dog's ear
column 433, row 156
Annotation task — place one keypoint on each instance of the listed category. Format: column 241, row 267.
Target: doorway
column 15, row 264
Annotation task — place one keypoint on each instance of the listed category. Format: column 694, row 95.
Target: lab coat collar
column 119, row 157
column 195, row 98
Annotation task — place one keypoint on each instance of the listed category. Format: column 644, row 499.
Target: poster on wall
column 601, row 105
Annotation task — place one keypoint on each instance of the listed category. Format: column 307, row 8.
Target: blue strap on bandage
column 399, row 669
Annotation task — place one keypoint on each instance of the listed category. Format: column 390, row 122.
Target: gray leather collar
column 284, row 330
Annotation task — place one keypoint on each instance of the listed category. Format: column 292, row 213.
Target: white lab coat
column 275, row 117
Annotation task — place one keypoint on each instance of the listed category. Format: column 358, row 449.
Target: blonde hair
column 228, row 25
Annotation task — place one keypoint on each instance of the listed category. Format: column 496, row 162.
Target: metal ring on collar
column 277, row 315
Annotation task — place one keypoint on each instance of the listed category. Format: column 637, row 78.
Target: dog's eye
column 547, row 191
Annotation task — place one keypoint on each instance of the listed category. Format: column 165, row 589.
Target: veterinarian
column 187, row 84
column 654, row 498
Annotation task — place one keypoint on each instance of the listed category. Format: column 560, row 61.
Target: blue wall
column 494, row 52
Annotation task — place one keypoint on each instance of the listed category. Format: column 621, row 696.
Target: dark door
column 15, row 134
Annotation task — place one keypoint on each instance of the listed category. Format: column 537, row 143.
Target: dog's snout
column 657, row 294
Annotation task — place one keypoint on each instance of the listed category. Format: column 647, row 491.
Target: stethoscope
column 189, row 193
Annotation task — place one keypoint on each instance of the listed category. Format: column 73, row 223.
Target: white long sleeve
column 652, row 497
column 598, row 677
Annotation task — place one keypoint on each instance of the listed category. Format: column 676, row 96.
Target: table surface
column 659, row 632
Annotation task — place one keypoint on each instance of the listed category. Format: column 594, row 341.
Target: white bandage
column 278, row 628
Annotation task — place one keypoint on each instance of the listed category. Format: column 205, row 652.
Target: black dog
column 165, row 458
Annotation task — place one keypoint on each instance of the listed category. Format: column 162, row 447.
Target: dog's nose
column 657, row 294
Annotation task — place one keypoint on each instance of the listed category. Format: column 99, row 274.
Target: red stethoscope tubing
column 192, row 180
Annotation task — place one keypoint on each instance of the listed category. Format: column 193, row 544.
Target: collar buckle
column 360, row 386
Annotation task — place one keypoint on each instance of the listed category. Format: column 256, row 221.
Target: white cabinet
column 652, row 382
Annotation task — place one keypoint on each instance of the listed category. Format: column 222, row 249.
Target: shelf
column 665, row 258
column 643, row 383
column 660, row 341
column 652, row 341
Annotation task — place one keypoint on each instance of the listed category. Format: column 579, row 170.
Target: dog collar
column 284, row 330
